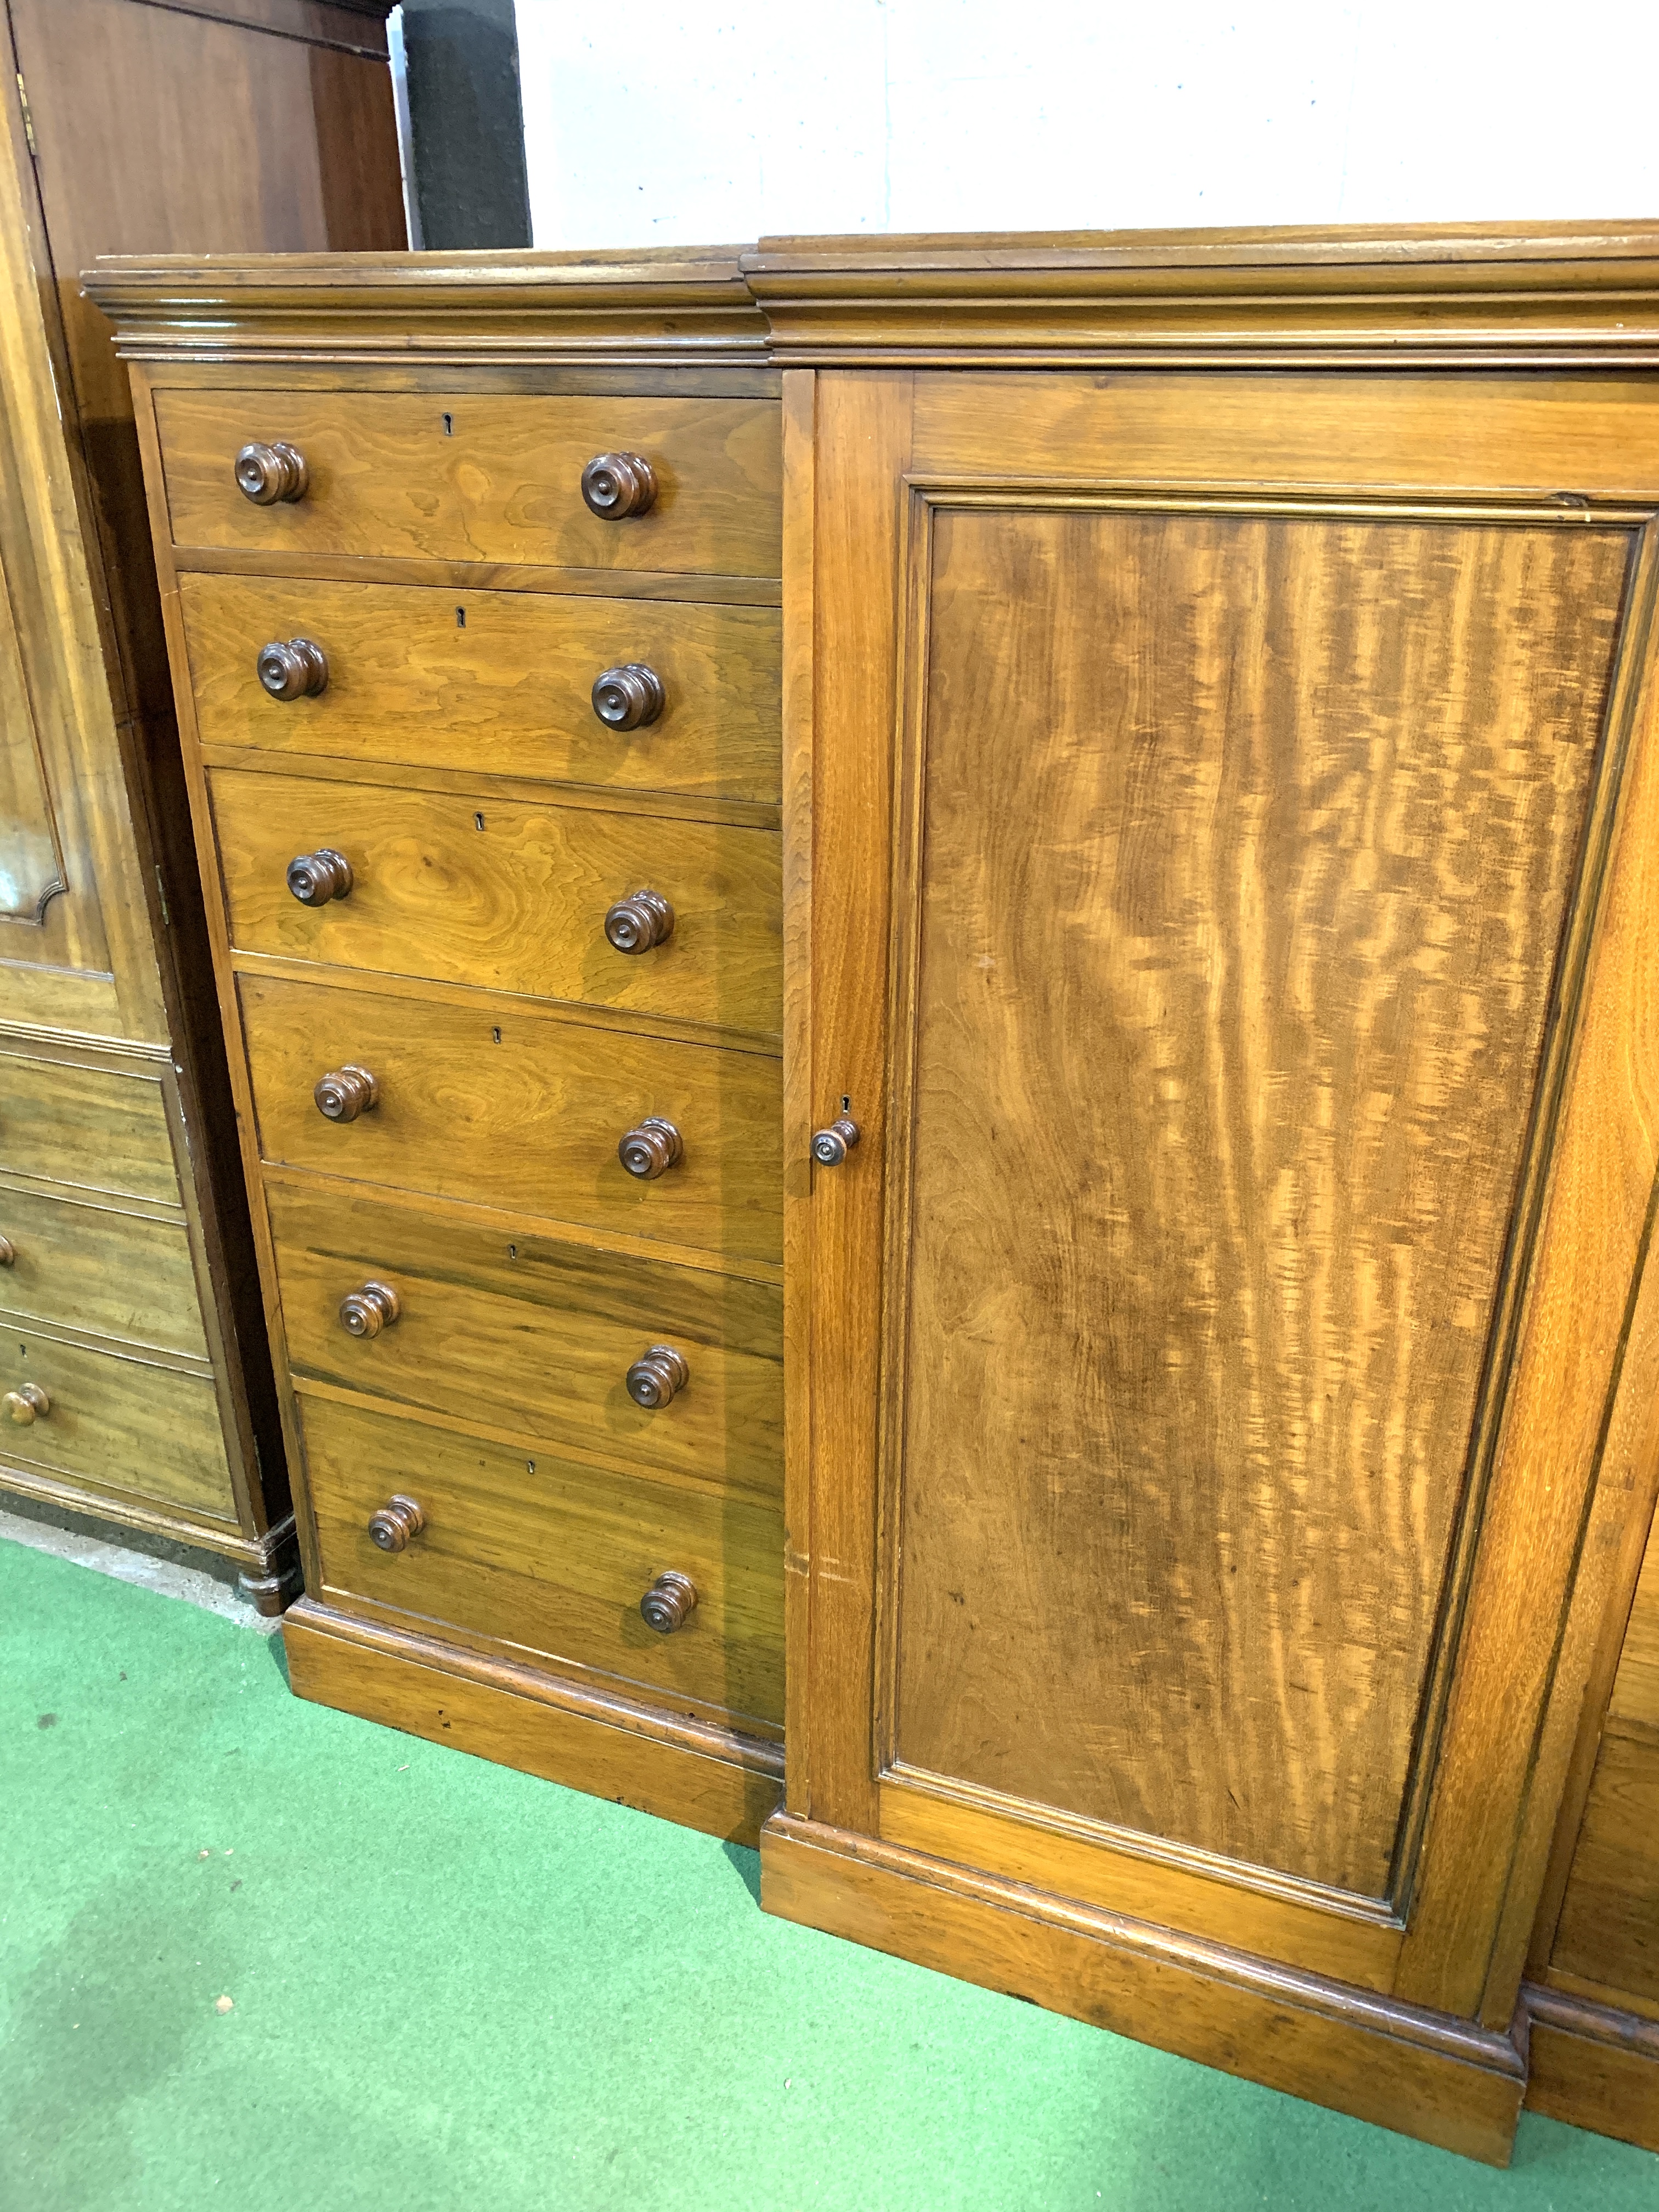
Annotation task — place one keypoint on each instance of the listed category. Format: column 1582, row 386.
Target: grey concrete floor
column 162, row 1576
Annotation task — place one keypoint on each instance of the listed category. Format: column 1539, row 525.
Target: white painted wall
column 709, row 120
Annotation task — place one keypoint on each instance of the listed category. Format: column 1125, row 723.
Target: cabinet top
column 1474, row 295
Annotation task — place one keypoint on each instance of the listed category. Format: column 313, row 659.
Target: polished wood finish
column 701, row 1775
column 82, row 1260
column 1208, row 1374
column 1401, row 2068
column 505, row 683
column 550, row 1556
column 142, row 1423
column 1593, row 2066
column 503, row 1107
column 480, row 476
column 535, row 900
column 485, row 779
column 537, row 1334
column 229, row 127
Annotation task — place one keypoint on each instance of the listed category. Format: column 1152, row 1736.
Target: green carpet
column 456, row 1988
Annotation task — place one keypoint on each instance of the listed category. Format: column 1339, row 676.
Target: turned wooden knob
column 265, row 474
column 655, row 1377
column 831, row 1146
column 629, row 696
column 369, row 1309
column 637, row 922
column 298, row 670
column 316, row 878
column 27, row 1402
column 667, row 1603
column 395, row 1523
column 651, row 1149
column 618, row 484
column 345, row 1092
column 9, row 1250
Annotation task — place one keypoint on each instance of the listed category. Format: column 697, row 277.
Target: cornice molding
column 1471, row 295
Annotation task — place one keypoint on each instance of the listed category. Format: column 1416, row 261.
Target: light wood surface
column 1592, row 2066
column 511, row 897
column 97, row 1267
column 530, row 1122
column 1221, row 1067
column 118, row 1423
column 497, row 681
column 721, row 1782
column 1608, row 1931
column 526, row 1333
column 86, row 1126
column 1636, row 1689
column 542, row 1556
column 503, row 483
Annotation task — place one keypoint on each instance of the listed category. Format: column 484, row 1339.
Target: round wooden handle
column 369, row 1309
column 666, row 1604
column 618, row 484
column 9, row 1250
column 831, row 1146
column 345, row 1092
column 637, row 922
column 265, row 474
column 296, row 669
column 27, row 1402
column 316, row 878
column 395, row 1523
column 651, row 1149
column 655, row 1377
column 629, row 696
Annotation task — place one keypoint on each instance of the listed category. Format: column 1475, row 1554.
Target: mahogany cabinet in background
column 131, row 1303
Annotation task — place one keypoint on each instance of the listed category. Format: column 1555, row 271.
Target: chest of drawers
column 476, row 627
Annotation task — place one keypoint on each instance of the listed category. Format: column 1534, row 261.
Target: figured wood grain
column 517, row 905
column 1609, row 1926
column 530, row 1122
column 503, row 483
column 545, row 1556
column 1391, row 2064
column 500, row 682
column 1636, row 1687
column 724, row 1784
column 97, row 1268
column 118, row 1423
column 86, row 1128
column 1223, row 1067
column 528, row 1333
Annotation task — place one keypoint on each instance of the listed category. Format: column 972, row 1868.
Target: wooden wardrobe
column 133, row 1364
column 1217, row 858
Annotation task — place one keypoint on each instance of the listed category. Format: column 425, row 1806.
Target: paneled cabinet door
column 1210, row 1336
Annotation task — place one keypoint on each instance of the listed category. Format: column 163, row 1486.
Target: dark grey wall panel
column 466, row 122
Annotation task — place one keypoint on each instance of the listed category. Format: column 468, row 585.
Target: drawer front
column 509, row 897
column 86, row 1126
column 86, row 1268
column 551, row 1559
column 501, row 683
column 529, row 1334
column 482, row 477
column 117, row 1423
column 526, row 1114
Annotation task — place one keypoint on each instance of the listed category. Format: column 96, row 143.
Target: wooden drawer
column 118, row 1424
column 90, row 1267
column 551, row 1559
column 526, row 1114
column 498, row 682
column 529, row 1334
column 510, row 897
column 1609, row 1926
column 482, row 477
column 86, row 1126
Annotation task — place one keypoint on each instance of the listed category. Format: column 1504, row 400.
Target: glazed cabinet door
column 1226, row 801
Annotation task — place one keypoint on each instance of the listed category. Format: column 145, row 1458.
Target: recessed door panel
column 1244, row 843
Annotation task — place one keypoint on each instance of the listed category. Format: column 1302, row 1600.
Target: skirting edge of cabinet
column 1592, row 2066
column 1445, row 2081
column 701, row 1776
column 259, row 1556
